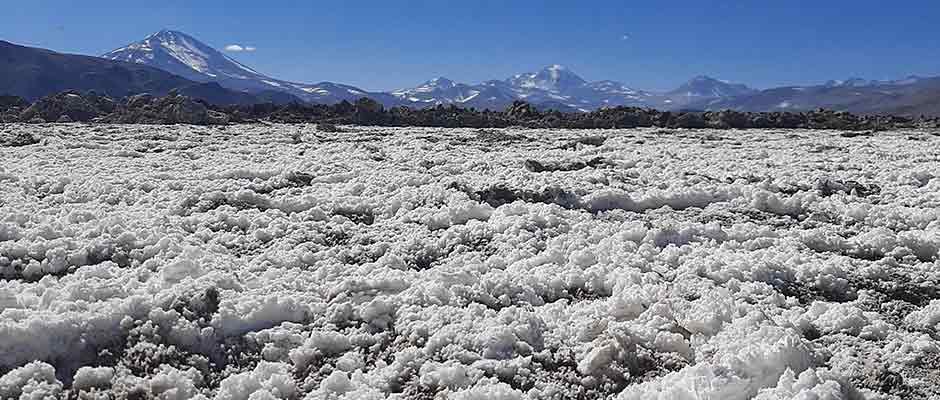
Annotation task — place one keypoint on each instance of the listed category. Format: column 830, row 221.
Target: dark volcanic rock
column 183, row 110
column 368, row 112
column 139, row 101
column 521, row 110
column 827, row 187
column 727, row 119
column 7, row 102
column 18, row 138
column 552, row 166
column 329, row 128
column 177, row 109
column 689, row 120
column 71, row 104
column 171, row 109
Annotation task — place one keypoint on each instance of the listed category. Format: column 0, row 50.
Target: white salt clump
column 319, row 342
column 338, row 383
column 173, row 384
column 350, row 361
column 187, row 265
column 910, row 349
column 35, row 380
column 92, row 377
column 736, row 364
column 328, row 342
column 773, row 203
column 925, row 318
column 451, row 375
column 498, row 391
column 267, row 380
column 810, row 384
column 829, row 318
column 257, row 313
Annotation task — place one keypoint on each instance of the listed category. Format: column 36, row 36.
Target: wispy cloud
column 625, row 37
column 237, row 48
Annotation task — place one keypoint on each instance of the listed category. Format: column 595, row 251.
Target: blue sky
column 382, row 45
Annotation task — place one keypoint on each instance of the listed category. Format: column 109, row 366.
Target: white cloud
column 625, row 37
column 236, row 48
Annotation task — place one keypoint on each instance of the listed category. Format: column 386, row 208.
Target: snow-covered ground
column 278, row 262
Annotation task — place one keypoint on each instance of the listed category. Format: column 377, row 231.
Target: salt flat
column 276, row 261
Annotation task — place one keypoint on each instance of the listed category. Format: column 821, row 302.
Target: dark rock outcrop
column 368, row 112
column 8, row 102
column 178, row 109
column 11, row 107
column 74, row 105
column 523, row 114
column 171, row 109
column 521, row 110
column 18, row 138
column 689, row 120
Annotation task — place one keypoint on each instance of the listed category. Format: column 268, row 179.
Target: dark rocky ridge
column 175, row 108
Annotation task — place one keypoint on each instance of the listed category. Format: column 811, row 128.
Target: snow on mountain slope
column 708, row 87
column 861, row 82
column 438, row 91
column 911, row 96
column 552, row 85
column 553, row 78
column 184, row 55
column 558, row 85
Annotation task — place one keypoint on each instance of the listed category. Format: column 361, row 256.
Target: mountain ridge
column 32, row 73
column 186, row 56
column 555, row 84
column 171, row 59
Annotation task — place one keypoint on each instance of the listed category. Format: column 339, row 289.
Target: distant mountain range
column 174, row 60
column 559, row 88
column 554, row 86
column 912, row 96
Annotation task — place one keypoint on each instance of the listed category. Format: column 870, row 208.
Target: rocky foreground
column 282, row 262
column 175, row 109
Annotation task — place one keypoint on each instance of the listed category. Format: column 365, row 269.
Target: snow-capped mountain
column 554, row 78
column 184, row 55
column 861, row 82
column 612, row 94
column 708, row 87
column 554, row 85
column 437, row 91
column 850, row 82
column 170, row 60
column 557, row 86
column 909, row 96
column 26, row 71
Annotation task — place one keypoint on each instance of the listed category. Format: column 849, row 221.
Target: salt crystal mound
column 279, row 262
